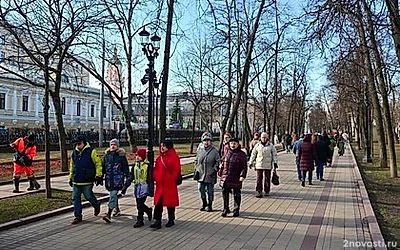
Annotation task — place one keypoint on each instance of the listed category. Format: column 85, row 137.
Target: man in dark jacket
column 233, row 172
column 85, row 168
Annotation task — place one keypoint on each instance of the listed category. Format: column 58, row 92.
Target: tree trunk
column 373, row 93
column 246, row 67
column 61, row 130
column 393, row 8
column 195, row 107
column 384, row 93
column 164, row 85
column 130, row 132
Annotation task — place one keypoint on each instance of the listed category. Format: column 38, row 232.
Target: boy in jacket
column 116, row 171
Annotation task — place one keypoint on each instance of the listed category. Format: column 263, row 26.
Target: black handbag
column 275, row 179
column 196, row 175
column 179, row 180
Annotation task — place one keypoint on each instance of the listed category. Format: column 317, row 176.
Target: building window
column 25, row 100
column 2, row 39
column 105, row 111
column 92, row 110
column 2, row 101
column 78, row 108
column 63, row 105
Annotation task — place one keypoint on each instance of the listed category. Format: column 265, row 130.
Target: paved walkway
column 326, row 215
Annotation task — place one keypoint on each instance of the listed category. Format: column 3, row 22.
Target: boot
column 156, row 224
column 31, row 186
column 139, row 223
column 170, row 223
column 16, row 185
column 209, row 207
column 203, row 208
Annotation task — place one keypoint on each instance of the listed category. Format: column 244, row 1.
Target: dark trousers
column 263, row 174
column 304, row 173
column 237, row 198
column 320, row 170
column 142, row 208
column 158, row 209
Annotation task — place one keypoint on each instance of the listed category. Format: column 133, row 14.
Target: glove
column 123, row 191
column 275, row 165
column 70, row 183
column 99, row 180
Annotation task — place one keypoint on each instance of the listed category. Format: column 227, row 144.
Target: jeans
column 298, row 168
column 320, row 170
column 210, row 191
column 113, row 202
column 158, row 209
column 266, row 175
column 87, row 191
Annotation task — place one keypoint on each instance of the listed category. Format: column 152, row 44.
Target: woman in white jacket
column 264, row 159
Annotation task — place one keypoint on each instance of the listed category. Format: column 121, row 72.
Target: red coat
column 307, row 156
column 165, row 180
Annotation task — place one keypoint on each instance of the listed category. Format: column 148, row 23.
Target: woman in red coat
column 167, row 168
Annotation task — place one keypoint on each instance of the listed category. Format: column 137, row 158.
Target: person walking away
column 307, row 154
column 264, row 158
column 166, row 171
column 140, row 176
column 85, row 169
column 340, row 145
column 207, row 165
column 322, row 156
column 25, row 151
column 253, row 143
column 233, row 172
column 115, row 171
column 288, row 142
column 296, row 149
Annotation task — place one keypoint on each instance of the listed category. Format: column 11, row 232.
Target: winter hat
column 80, row 138
column 264, row 134
column 168, row 143
column 114, row 141
column 234, row 139
column 206, row 136
column 141, row 152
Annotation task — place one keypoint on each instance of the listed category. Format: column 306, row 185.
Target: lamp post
column 367, row 124
column 150, row 49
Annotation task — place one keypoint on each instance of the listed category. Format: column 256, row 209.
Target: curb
column 374, row 229
column 59, row 211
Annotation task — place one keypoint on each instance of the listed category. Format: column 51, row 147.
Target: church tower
column 114, row 74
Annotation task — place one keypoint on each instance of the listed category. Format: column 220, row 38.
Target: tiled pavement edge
column 325, row 215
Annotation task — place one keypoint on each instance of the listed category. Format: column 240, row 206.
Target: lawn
column 23, row 206
column 384, row 193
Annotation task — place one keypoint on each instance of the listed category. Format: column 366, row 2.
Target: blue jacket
column 115, row 169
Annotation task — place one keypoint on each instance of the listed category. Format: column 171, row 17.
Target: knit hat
column 141, row 152
column 168, row 143
column 80, row 138
column 264, row 134
column 234, row 139
column 206, row 136
column 114, row 141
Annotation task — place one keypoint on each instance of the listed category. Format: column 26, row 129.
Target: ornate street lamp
column 150, row 49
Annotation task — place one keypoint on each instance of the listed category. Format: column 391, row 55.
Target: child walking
column 140, row 176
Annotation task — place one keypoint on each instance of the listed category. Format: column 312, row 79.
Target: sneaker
column 236, row 214
column 259, row 195
column 322, row 179
column 107, row 218
column 156, row 224
column 266, row 194
column 16, row 191
column 303, row 183
column 76, row 220
column 97, row 210
column 117, row 212
column 138, row 223
column 170, row 223
column 225, row 212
